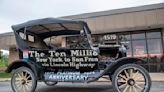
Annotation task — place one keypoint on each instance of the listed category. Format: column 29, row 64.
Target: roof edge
column 116, row 11
column 6, row 34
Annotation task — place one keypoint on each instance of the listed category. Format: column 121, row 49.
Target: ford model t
column 41, row 59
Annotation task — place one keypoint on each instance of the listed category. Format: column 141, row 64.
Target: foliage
column 4, row 75
column 3, row 60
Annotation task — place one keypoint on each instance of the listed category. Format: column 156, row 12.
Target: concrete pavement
column 79, row 87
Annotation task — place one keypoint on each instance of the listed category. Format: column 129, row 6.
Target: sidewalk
column 157, row 76
column 154, row 77
column 4, row 79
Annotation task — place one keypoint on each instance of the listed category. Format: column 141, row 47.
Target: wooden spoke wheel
column 131, row 78
column 23, row 80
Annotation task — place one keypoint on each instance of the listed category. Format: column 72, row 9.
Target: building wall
column 7, row 41
column 13, row 55
column 127, row 21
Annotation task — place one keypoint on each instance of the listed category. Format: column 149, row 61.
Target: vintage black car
column 40, row 59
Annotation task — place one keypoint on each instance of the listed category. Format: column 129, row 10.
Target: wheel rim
column 22, row 81
column 131, row 80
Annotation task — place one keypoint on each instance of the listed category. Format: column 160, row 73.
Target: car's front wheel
column 131, row 78
column 23, row 80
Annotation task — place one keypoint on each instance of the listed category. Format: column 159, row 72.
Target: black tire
column 23, row 80
column 131, row 78
column 49, row 83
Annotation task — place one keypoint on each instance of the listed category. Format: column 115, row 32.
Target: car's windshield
column 77, row 42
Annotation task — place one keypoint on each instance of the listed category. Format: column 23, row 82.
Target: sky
column 19, row 11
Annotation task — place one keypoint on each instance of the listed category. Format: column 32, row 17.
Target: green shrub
column 3, row 63
column 4, row 75
column 3, row 60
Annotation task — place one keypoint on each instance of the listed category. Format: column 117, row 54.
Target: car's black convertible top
column 50, row 26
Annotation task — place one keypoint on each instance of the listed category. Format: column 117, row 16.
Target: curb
column 4, row 79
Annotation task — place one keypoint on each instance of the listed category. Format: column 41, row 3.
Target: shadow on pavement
column 76, row 87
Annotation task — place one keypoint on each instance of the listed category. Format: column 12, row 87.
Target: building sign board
column 110, row 37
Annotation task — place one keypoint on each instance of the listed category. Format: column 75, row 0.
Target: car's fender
column 124, row 60
column 110, row 69
column 19, row 63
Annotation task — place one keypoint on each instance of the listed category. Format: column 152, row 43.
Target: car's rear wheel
column 131, row 78
column 23, row 80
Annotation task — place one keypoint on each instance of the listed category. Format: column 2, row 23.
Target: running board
column 71, row 76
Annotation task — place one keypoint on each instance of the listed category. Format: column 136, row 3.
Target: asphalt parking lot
column 79, row 87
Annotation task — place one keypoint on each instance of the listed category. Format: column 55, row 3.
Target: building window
column 155, row 51
column 153, row 35
column 155, row 47
column 138, row 36
column 129, row 48
column 139, row 48
column 146, row 45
